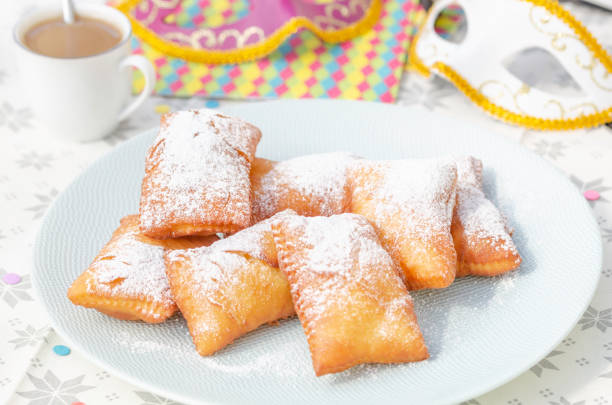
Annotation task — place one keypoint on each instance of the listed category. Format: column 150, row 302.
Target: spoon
column 68, row 11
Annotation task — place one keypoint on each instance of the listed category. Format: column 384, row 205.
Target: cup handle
column 141, row 63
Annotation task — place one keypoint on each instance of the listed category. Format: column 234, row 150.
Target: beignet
column 482, row 239
column 410, row 203
column 127, row 279
column 197, row 175
column 347, row 292
column 311, row 185
column 229, row 288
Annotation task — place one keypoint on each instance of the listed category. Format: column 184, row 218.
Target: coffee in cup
column 84, row 37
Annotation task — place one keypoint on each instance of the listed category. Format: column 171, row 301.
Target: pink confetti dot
column 11, row 278
column 591, row 195
column 78, row 403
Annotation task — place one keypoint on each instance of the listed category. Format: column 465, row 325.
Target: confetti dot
column 591, row 195
column 212, row 104
column 61, row 350
column 162, row 108
column 78, row 403
column 11, row 278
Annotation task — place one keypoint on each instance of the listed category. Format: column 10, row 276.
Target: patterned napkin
column 367, row 67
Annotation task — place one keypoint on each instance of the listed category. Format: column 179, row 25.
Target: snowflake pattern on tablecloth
column 44, row 200
column 35, row 362
column 51, row 390
column 546, row 392
column 601, row 400
column 15, row 119
column 606, row 234
column 112, row 396
column 30, row 336
column 553, row 150
column 38, row 161
column 546, row 363
column 596, row 185
column 563, row 401
column 4, row 381
column 11, row 294
column 602, row 320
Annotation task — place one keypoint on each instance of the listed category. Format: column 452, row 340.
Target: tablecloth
column 35, row 168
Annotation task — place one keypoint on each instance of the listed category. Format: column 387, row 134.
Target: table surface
column 35, row 168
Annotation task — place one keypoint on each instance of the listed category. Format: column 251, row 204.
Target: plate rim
column 477, row 390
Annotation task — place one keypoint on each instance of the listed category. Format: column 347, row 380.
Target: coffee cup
column 81, row 98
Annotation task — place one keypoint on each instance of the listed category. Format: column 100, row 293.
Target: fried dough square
column 347, row 291
column 197, row 175
column 312, row 185
column 410, row 203
column 229, row 288
column 482, row 238
column 127, row 279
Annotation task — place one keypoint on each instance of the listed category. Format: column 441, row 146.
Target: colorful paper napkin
column 368, row 67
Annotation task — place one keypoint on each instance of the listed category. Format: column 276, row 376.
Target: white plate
column 481, row 332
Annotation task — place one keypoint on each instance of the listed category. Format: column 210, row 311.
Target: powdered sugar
column 214, row 281
column 481, row 220
column 198, row 170
column 409, row 201
column 132, row 268
column 320, row 181
column 421, row 189
column 328, row 255
column 340, row 243
column 255, row 241
column 255, row 357
column 210, row 273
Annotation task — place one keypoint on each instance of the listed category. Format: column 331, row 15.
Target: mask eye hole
column 451, row 24
column 547, row 76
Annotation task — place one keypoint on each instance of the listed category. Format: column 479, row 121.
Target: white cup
column 82, row 99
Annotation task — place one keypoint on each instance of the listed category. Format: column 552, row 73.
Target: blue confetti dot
column 212, row 104
column 61, row 350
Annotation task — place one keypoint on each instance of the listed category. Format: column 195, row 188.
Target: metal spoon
column 68, row 11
